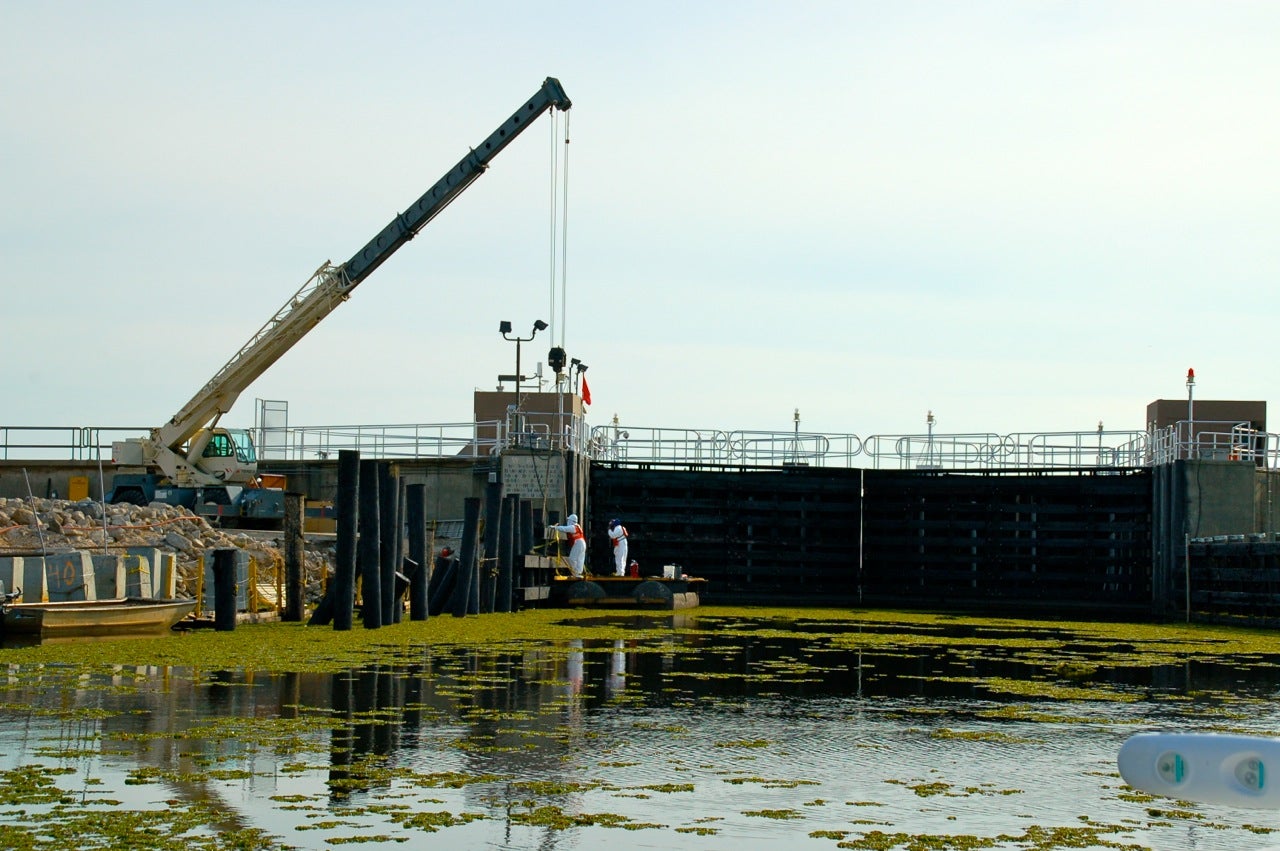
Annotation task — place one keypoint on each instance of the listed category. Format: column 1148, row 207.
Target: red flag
column 586, row 392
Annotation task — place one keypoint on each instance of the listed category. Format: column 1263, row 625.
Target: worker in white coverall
column 577, row 543
column 618, row 537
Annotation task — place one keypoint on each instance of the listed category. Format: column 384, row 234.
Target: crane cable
column 559, row 204
column 559, row 226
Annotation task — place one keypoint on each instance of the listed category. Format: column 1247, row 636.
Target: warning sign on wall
column 532, row 476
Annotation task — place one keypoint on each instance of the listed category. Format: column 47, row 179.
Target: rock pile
column 32, row 526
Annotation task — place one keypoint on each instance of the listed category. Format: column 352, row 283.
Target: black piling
column 493, row 504
column 388, row 493
column 419, row 580
column 224, row 590
column 526, row 538
column 507, row 551
column 294, row 557
column 368, row 547
column 402, row 551
column 466, row 573
column 343, row 591
column 443, row 580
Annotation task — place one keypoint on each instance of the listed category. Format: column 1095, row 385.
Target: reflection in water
column 701, row 738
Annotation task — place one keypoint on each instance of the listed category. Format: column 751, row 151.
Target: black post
column 368, row 549
column 416, row 511
column 506, row 552
column 388, row 491
column 466, row 575
column 343, row 592
column 402, row 550
column 493, row 504
column 526, row 538
column 224, row 590
column 295, row 554
column 443, row 581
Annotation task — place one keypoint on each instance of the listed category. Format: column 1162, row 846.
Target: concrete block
column 27, row 573
column 108, row 574
column 70, row 576
column 137, row 576
column 164, row 576
column 152, row 557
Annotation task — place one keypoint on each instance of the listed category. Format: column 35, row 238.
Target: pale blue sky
column 1025, row 216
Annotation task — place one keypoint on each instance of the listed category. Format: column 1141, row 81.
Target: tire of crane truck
column 129, row 496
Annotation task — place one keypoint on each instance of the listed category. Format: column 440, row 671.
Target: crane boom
column 331, row 285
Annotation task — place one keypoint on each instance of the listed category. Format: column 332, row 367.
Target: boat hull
column 135, row 616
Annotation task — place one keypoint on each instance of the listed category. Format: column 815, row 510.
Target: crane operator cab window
column 219, row 446
column 244, row 450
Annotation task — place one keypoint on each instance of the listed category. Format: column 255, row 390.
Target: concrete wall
column 1219, row 497
column 449, row 480
column 50, row 477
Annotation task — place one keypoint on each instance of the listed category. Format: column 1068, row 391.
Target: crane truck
column 191, row 460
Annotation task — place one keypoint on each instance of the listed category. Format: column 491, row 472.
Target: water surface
column 705, row 730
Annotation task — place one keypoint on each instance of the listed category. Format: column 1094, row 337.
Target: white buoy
column 1211, row 768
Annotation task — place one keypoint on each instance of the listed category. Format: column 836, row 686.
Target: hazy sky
column 1024, row 216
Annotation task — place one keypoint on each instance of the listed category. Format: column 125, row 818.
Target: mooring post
column 443, row 581
column 224, row 589
column 388, row 493
column 416, row 511
column 526, row 538
column 401, row 548
column 506, row 551
column 489, row 565
column 294, row 557
column 368, row 547
column 343, row 590
column 466, row 571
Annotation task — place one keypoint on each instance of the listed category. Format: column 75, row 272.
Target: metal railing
column 1214, row 440
column 1227, row 441
column 74, row 443
column 982, row 451
column 405, row 440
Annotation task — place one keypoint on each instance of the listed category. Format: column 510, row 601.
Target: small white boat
column 1210, row 768
column 126, row 616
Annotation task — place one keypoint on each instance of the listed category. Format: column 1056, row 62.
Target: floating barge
column 649, row 592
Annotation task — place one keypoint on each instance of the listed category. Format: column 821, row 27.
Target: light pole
column 929, row 420
column 504, row 328
column 1191, row 411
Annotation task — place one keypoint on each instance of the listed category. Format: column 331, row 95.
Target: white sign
column 533, row 477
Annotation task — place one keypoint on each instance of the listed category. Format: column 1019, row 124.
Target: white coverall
column 618, row 535
column 578, row 545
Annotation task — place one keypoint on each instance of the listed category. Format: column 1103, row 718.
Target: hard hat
column 573, row 518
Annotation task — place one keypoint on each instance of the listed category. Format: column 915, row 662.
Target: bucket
column 633, row 569
column 670, row 571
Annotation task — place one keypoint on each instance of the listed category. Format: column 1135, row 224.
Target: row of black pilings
column 372, row 505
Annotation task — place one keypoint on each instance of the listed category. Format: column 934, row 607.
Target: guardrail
column 406, row 440
column 1228, row 441
column 73, row 443
column 711, row 447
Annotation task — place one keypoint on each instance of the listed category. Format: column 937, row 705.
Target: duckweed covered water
column 714, row 729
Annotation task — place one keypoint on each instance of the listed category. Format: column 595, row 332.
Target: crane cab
column 228, row 454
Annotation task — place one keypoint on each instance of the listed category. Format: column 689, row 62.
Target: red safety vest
column 614, row 541
column 576, row 535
